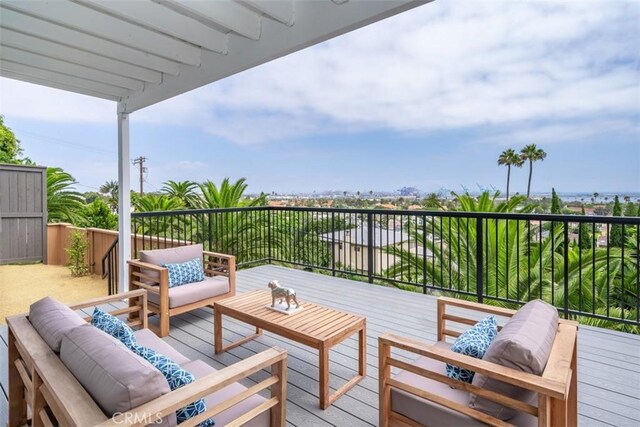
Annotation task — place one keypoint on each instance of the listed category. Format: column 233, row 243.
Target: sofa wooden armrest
column 275, row 358
column 137, row 309
column 556, row 388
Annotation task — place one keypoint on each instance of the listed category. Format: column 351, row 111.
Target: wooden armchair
column 148, row 273
column 556, row 388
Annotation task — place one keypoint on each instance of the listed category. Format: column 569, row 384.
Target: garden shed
column 23, row 213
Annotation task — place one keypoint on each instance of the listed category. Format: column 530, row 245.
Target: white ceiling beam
column 315, row 22
column 90, row 21
column 65, row 87
column 57, row 34
column 39, row 61
column 29, row 43
column 280, row 10
column 63, row 79
column 227, row 14
column 159, row 18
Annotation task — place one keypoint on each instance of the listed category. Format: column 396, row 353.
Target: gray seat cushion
column 147, row 338
column 432, row 414
column 199, row 369
column 116, row 378
column 169, row 256
column 523, row 344
column 186, row 294
column 52, row 320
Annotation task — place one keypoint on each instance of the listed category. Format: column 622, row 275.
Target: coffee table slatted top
column 315, row 323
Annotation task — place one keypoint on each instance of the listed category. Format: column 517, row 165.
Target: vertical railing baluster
column 566, row 268
column 424, row 254
column 370, row 247
column 479, row 260
column 333, row 243
column 270, row 253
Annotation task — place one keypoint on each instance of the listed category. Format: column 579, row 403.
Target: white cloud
column 508, row 67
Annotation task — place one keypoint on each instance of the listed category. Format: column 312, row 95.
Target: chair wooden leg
column 384, row 391
column 164, row 324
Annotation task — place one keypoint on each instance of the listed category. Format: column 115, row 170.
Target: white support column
column 124, row 201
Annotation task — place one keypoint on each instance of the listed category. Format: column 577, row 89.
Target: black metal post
column 333, row 243
column 479, row 260
column 565, row 254
column 370, row 246
column 269, row 235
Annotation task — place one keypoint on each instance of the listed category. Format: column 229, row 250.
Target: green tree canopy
column 228, row 195
column 64, row 203
column 183, row 190
column 10, row 149
column 585, row 238
column 616, row 239
column 97, row 214
column 556, row 203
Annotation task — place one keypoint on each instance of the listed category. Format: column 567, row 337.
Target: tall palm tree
column 532, row 154
column 182, row 190
column 64, row 204
column 510, row 158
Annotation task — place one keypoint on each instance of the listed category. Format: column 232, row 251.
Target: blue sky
column 428, row 98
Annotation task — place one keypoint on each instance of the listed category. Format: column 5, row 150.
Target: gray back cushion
column 169, row 256
column 523, row 344
column 52, row 320
column 116, row 378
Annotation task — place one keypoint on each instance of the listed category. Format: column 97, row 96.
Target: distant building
column 351, row 247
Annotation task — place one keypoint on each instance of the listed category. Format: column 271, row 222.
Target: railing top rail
column 197, row 211
column 418, row 213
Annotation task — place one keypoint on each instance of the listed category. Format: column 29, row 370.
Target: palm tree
column 241, row 233
column 510, row 158
column 64, row 204
column 518, row 263
column 533, row 154
column 182, row 190
column 227, row 195
column 110, row 189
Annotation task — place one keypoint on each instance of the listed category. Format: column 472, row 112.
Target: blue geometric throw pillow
column 185, row 272
column 176, row 377
column 474, row 342
column 114, row 327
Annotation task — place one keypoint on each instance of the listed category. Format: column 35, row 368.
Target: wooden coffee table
column 316, row 326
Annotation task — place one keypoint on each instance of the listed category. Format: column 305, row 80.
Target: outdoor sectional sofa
column 148, row 273
column 528, row 376
column 63, row 371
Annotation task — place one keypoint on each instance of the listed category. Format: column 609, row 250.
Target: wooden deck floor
column 609, row 362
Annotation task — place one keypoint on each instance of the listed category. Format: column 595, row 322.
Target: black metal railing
column 110, row 267
column 587, row 266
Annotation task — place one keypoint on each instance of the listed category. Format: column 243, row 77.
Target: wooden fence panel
column 23, row 213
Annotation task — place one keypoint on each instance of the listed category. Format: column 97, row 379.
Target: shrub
column 77, row 252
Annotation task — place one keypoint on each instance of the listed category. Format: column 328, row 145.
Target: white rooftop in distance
column 140, row 52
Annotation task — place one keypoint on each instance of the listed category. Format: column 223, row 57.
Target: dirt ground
column 21, row 285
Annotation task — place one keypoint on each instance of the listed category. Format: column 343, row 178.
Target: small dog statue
column 278, row 292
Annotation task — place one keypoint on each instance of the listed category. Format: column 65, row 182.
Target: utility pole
column 140, row 161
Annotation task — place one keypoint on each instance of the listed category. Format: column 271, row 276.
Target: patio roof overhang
column 141, row 52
